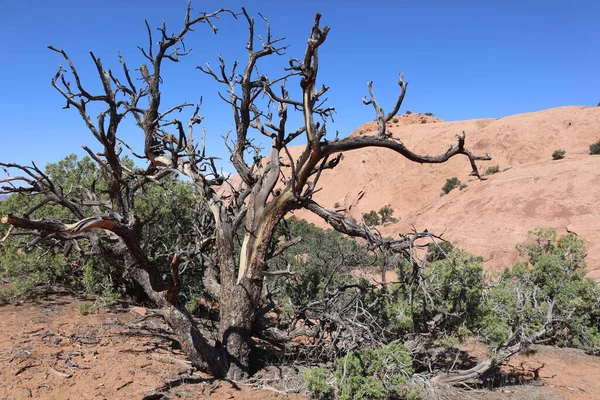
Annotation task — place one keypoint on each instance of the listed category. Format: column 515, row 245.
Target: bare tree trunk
column 199, row 352
column 241, row 295
column 238, row 309
column 238, row 304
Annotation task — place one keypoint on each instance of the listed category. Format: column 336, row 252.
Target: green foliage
column 429, row 114
column 27, row 270
column 395, row 120
column 423, row 121
column 371, row 218
column 408, row 112
column 374, row 374
column 450, row 184
column 313, row 259
column 455, row 288
column 336, row 205
column 167, row 214
column 317, row 385
column 386, row 213
column 492, row 170
column 438, row 251
column 558, row 154
column 595, row 148
column 553, row 277
column 85, row 307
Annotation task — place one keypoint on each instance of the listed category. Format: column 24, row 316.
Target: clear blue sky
column 464, row 59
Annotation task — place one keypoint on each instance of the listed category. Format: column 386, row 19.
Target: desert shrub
column 408, row 112
column 374, row 374
column 438, row 251
column 429, row 114
column 439, row 302
column 423, row 121
column 395, row 120
column 455, row 288
column 450, row 184
column 85, row 307
column 312, row 259
column 336, row 205
column 167, row 214
column 492, row 170
column 553, row 280
column 595, row 148
column 317, row 385
column 386, row 213
column 558, row 154
column 371, row 218
column 27, row 270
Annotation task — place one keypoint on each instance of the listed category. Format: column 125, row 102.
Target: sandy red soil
column 48, row 350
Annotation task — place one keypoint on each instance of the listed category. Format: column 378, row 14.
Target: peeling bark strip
column 266, row 194
column 66, row 229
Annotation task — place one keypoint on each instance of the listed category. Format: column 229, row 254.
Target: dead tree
column 270, row 188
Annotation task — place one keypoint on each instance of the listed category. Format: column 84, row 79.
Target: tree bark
column 238, row 305
column 202, row 356
column 241, row 295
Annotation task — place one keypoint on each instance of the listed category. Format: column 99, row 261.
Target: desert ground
column 49, row 350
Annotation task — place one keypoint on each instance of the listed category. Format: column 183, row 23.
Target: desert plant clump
column 423, row 121
column 408, row 112
column 374, row 374
column 371, row 218
column 337, row 204
column 429, row 114
column 450, row 184
column 316, row 382
column 85, row 307
column 548, row 297
column 386, row 213
column 492, row 170
column 395, row 120
column 558, row 154
column 595, row 148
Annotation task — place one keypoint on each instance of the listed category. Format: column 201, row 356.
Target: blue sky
column 463, row 59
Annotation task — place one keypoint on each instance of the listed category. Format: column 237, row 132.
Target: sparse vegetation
column 395, row 120
column 85, row 307
column 336, row 205
column 595, row 148
column 450, row 184
column 429, row 114
column 558, row 154
column 423, row 121
column 376, row 374
column 317, row 383
column 386, row 213
column 492, row 170
column 371, row 218
column 408, row 112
